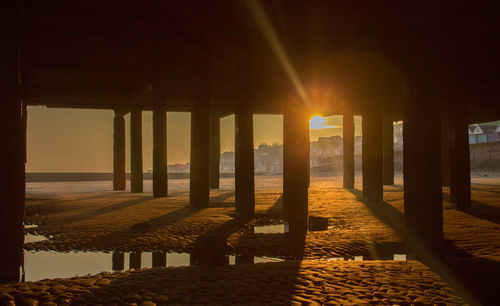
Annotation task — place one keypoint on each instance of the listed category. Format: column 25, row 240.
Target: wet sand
column 294, row 282
column 104, row 221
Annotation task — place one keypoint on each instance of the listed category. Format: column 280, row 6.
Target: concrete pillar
column 460, row 178
column 135, row 260
column 214, row 151
column 119, row 151
column 348, row 139
column 244, row 163
column 372, row 158
column 445, row 149
column 136, row 171
column 12, row 135
column 160, row 176
column 364, row 172
column 296, row 167
column 388, row 151
column 199, row 191
column 24, row 118
column 159, row 259
column 422, row 176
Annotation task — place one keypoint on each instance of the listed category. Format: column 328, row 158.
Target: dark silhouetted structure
column 406, row 60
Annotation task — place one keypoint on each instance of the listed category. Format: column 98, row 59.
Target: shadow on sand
column 191, row 284
column 480, row 210
column 474, row 278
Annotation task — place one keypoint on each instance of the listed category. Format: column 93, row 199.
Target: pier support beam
column 136, row 171
column 372, row 158
column 388, row 151
column 460, row 158
column 244, row 163
column 12, row 135
column 348, row 158
column 160, row 176
column 423, row 205
column 199, row 191
column 445, row 149
column 296, row 168
column 214, row 151
column 119, row 151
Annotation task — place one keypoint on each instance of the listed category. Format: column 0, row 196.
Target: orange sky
column 78, row 140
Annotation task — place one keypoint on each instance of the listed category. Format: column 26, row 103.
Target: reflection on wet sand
column 159, row 259
column 209, row 249
column 45, row 264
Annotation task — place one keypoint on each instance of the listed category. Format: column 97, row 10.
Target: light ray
column 263, row 22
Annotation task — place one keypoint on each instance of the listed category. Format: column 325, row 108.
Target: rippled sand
column 87, row 216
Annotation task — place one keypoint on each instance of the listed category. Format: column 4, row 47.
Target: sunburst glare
column 318, row 122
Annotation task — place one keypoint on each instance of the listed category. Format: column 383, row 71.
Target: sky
column 81, row 140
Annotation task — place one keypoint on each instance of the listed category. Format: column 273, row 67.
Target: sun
column 317, row 122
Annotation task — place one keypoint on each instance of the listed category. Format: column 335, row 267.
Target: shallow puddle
column 40, row 265
column 270, row 229
column 235, row 259
column 33, row 237
column 395, row 257
column 399, row 256
column 28, row 238
column 280, row 228
column 46, row 264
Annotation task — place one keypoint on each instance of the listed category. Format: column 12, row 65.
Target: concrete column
column 460, row 179
column 445, row 149
column 422, row 176
column 348, row 138
column 136, row 171
column 388, row 151
column 12, row 135
column 244, row 163
column 296, row 168
column 214, row 151
column 135, row 260
column 119, row 151
column 372, row 158
column 160, row 176
column 364, row 149
column 24, row 117
column 199, row 191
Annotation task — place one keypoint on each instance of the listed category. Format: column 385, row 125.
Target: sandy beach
column 94, row 219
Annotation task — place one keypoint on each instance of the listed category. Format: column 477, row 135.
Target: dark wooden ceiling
column 347, row 55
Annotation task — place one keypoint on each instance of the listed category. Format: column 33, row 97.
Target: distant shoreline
column 36, row 177
column 39, row 177
column 43, row 177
